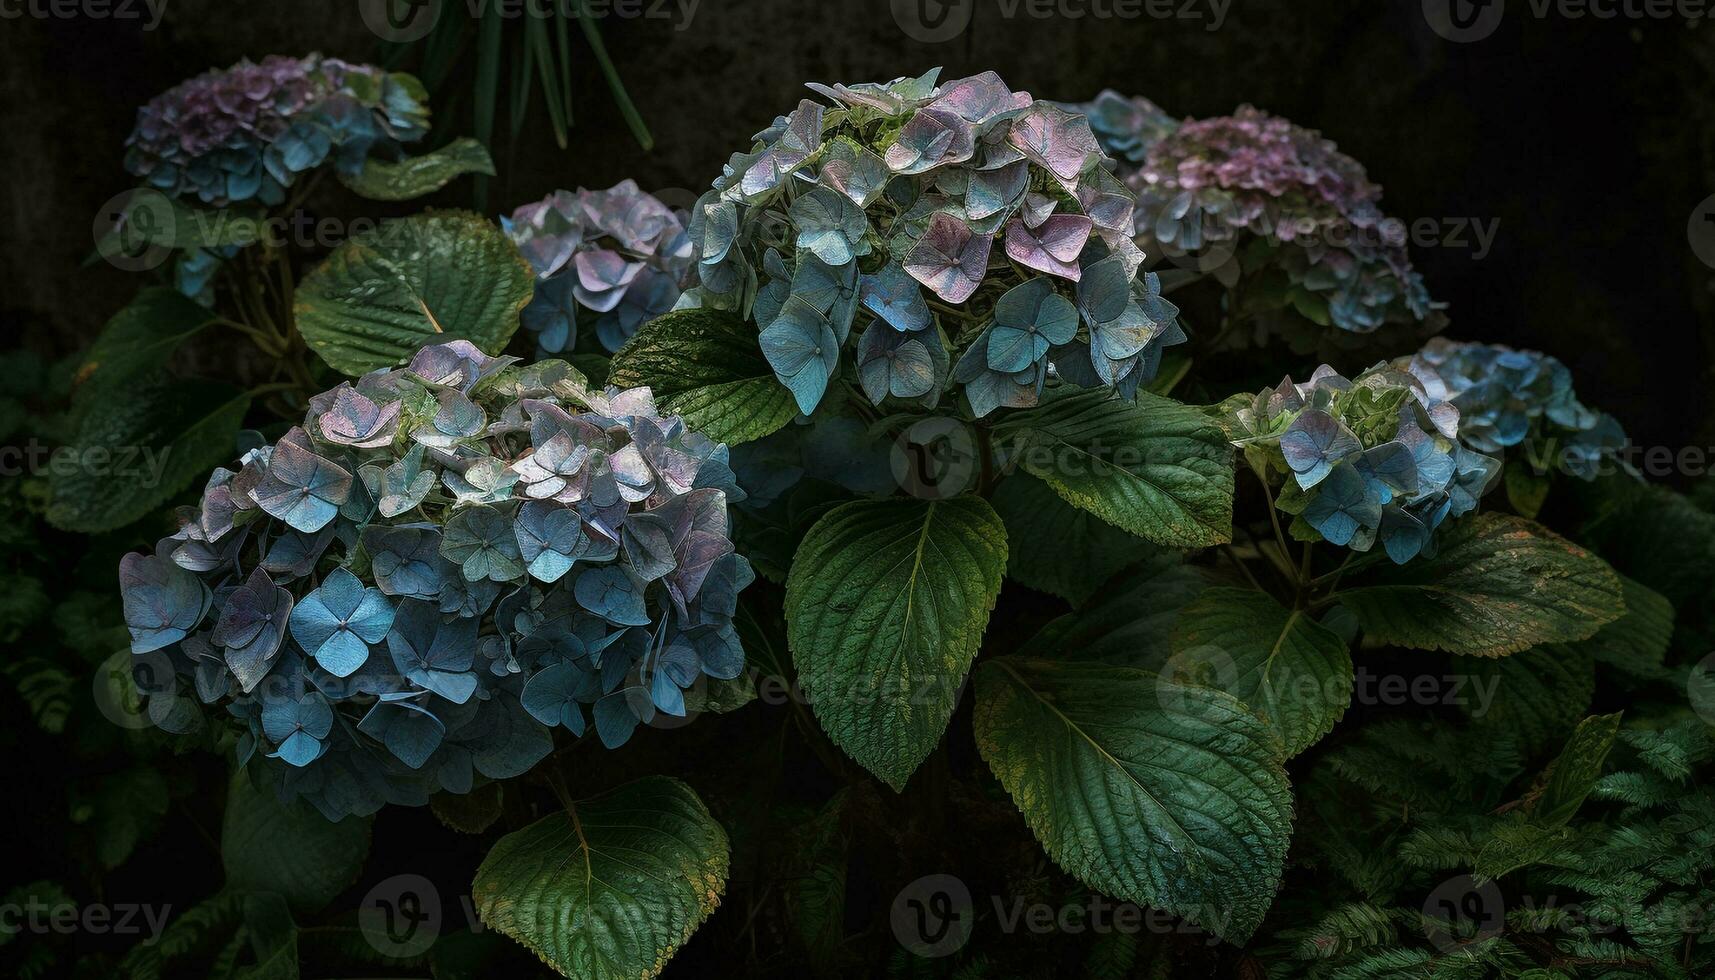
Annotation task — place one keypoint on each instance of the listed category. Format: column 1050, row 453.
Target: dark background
column 1590, row 140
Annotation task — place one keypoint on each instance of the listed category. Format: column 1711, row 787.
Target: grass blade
column 536, row 33
column 592, row 34
column 488, row 44
column 523, row 61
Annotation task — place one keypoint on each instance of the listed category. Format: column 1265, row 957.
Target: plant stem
column 266, row 343
column 1274, row 520
column 1236, row 560
column 1303, row 582
column 1335, row 574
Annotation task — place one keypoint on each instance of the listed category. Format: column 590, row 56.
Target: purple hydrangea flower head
column 1249, row 190
column 250, row 131
column 616, row 258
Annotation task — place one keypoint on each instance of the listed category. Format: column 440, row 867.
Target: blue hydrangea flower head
column 1510, row 398
column 1381, row 457
column 408, row 591
column 885, row 228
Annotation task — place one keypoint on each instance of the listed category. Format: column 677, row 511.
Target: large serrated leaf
column 137, row 445
column 468, row 813
column 1153, row 792
column 1637, row 642
column 1293, row 671
column 1129, row 621
column 1498, row 585
column 1057, row 548
column 384, row 180
column 706, row 365
column 288, row 849
column 426, row 279
column 610, row 888
column 142, row 336
column 152, row 218
column 886, row 605
column 1154, row 467
column 1533, row 697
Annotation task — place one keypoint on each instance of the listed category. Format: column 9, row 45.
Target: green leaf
column 143, row 335
column 611, row 887
column 273, row 938
column 468, row 813
column 122, row 810
column 1539, row 695
column 1574, row 773
column 138, row 445
column 1147, row 790
column 192, row 932
column 1293, row 671
column 1498, row 585
column 290, row 850
column 885, row 608
column 1056, row 548
column 1526, row 488
column 1154, row 467
column 153, row 218
column 1636, row 642
column 1130, row 620
column 384, row 180
column 706, row 365
column 1536, row 697
column 426, row 279
column 1652, row 533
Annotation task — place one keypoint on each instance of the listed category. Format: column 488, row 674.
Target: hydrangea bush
column 1380, row 457
column 1254, row 196
column 441, row 564
column 252, row 130
column 620, row 256
column 925, row 233
column 449, row 557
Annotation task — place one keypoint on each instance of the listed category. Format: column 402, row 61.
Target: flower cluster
column 1379, row 456
column 620, row 254
column 955, row 219
column 1507, row 396
column 1126, row 127
column 250, row 131
column 439, row 566
column 1218, row 185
